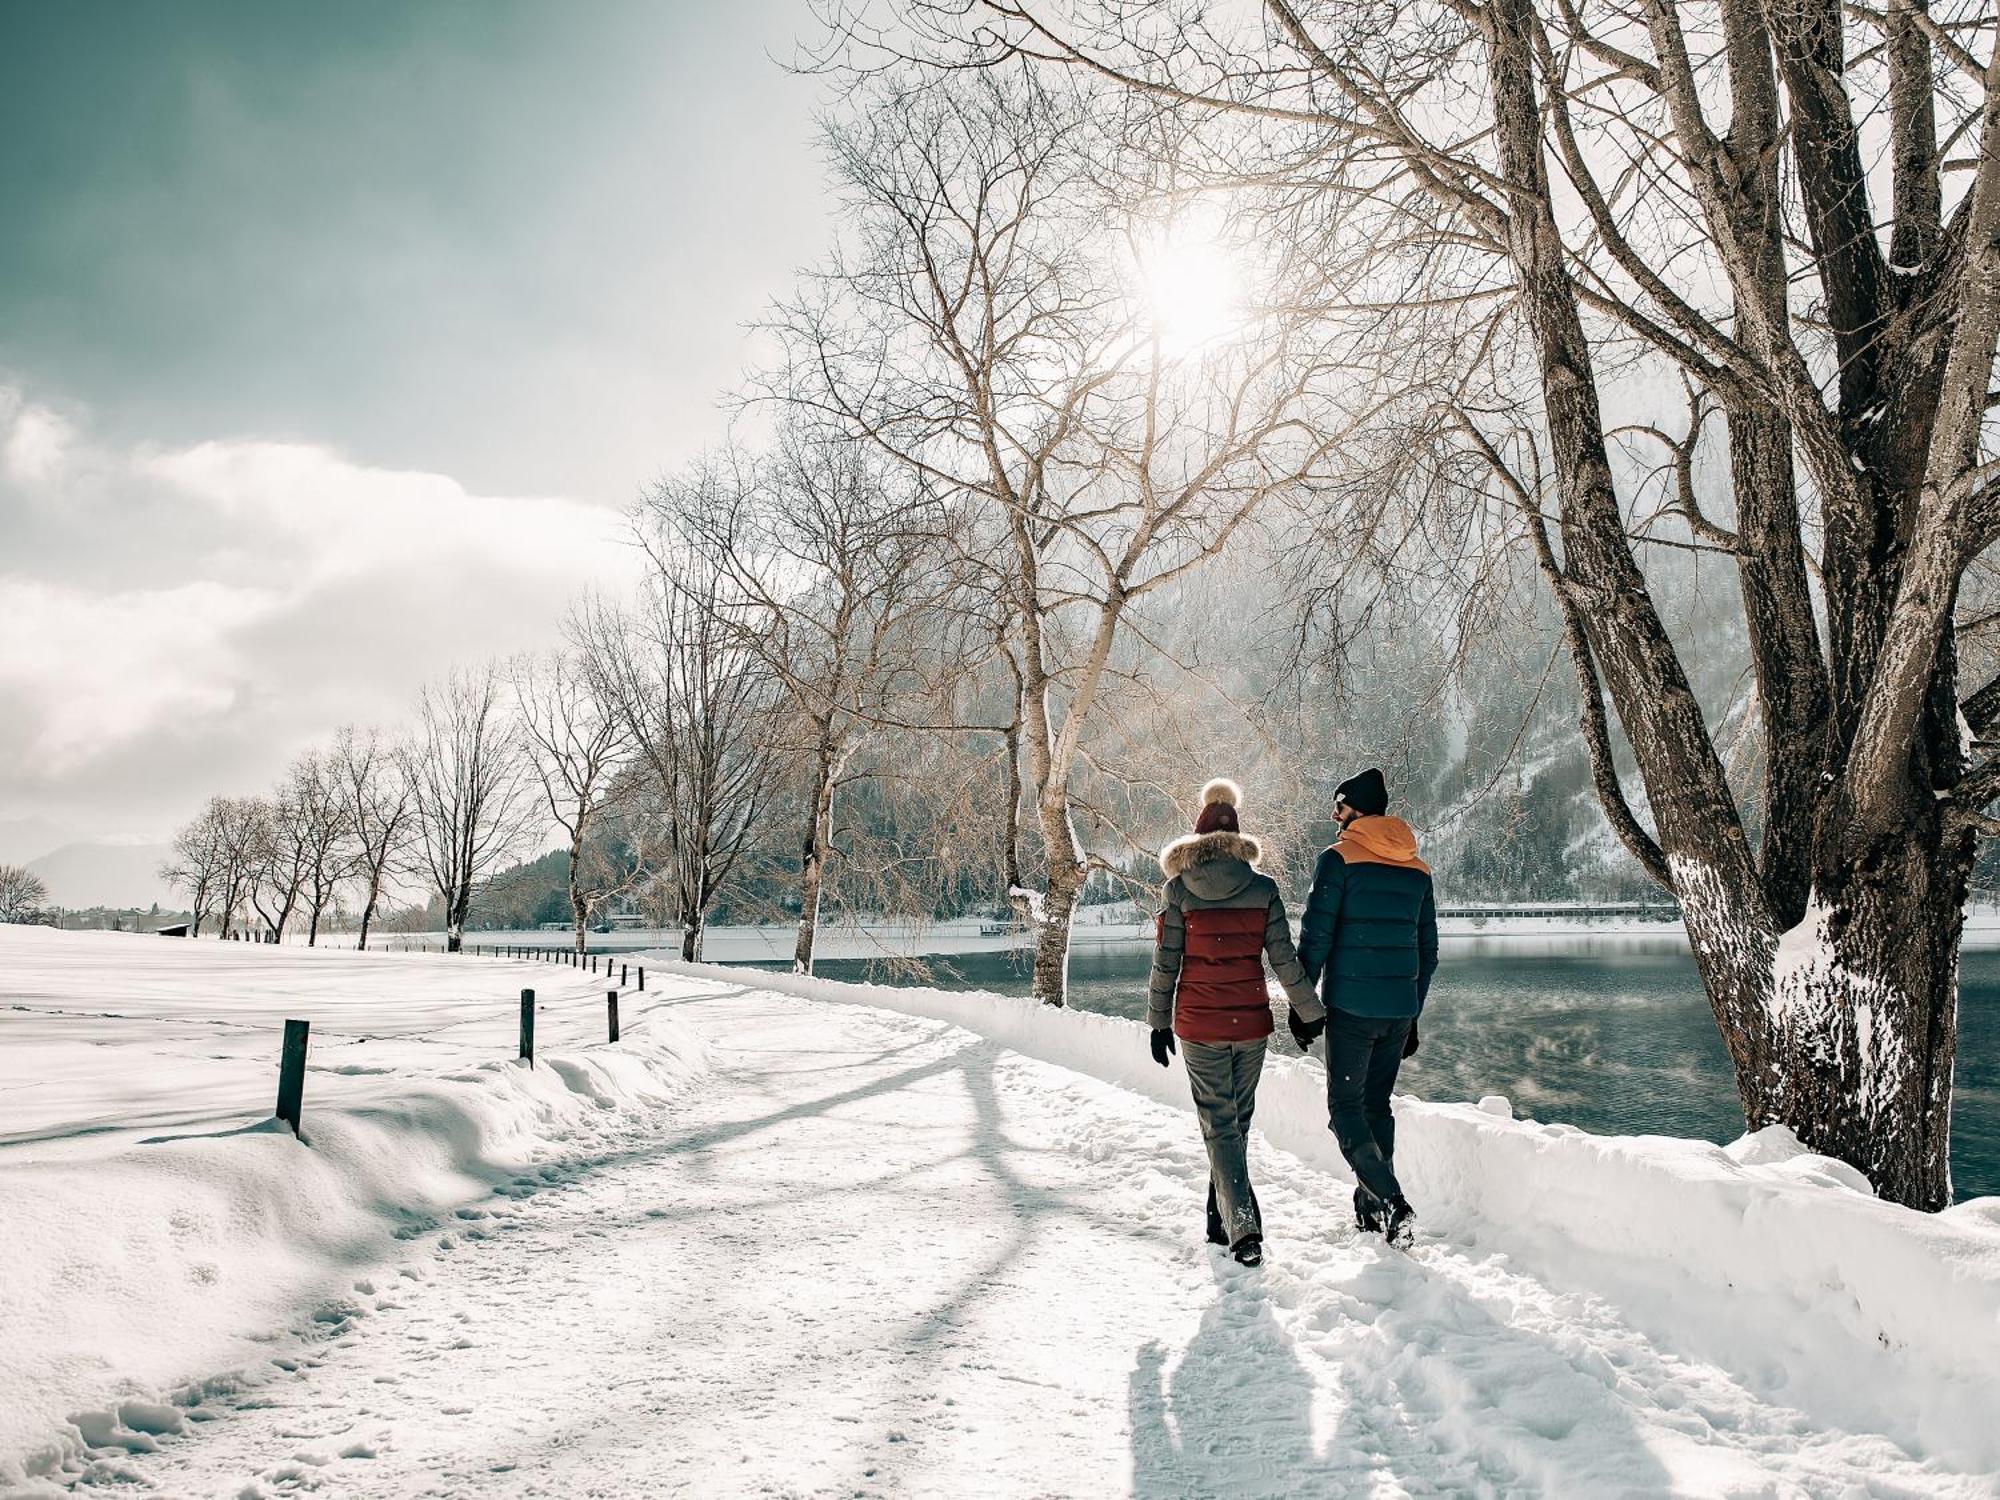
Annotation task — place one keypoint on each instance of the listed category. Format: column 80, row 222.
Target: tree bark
column 691, row 931
column 1051, row 915
column 368, row 908
column 1854, row 1012
column 579, row 899
column 812, row 865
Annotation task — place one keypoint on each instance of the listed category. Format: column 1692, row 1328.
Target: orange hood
column 1382, row 841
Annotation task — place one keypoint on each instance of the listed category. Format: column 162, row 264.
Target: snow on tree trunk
column 1845, row 1027
column 691, row 937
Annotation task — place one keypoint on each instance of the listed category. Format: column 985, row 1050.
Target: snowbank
column 1760, row 1257
column 158, row 1229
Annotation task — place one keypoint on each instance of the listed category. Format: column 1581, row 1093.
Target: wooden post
column 624, row 972
column 611, row 1009
column 528, row 1027
column 292, row 1073
column 642, row 976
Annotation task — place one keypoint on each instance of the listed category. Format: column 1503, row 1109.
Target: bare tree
column 313, row 800
column 575, row 740
column 22, row 894
column 1566, row 206
column 280, row 857
column 839, row 576
column 197, row 866
column 699, row 712
column 469, row 788
column 217, row 857
column 1000, row 333
column 373, row 781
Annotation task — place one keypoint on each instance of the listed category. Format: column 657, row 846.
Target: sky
column 335, row 341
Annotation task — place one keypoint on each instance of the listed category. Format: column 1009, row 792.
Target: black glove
column 1305, row 1033
column 1410, row 1041
column 1163, row 1045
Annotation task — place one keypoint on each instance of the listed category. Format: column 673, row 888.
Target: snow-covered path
column 874, row 1254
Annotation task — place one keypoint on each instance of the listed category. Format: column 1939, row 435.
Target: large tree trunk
column 1851, row 1026
column 454, row 919
column 812, row 865
column 1051, row 915
column 368, row 908
column 579, row 900
column 691, row 929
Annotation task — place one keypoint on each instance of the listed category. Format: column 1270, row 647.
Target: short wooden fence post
column 611, row 1011
column 528, row 1027
column 292, row 1073
column 642, row 976
column 624, row 970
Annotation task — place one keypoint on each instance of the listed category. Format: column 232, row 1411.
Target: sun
column 1194, row 288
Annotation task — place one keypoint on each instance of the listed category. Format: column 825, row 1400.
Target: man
column 1369, row 941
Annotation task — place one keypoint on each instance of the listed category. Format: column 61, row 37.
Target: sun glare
column 1194, row 289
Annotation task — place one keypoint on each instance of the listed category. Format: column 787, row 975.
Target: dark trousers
column 1363, row 1054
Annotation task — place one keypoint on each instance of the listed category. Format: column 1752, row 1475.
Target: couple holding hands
column 1366, row 952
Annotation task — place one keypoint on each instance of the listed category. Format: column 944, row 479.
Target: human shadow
column 1233, row 1418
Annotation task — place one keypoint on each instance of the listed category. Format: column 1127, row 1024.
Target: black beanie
column 1367, row 793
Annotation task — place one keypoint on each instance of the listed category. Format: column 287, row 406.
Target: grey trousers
column 1224, row 1077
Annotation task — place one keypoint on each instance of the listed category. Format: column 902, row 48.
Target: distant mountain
column 23, row 839
column 105, row 874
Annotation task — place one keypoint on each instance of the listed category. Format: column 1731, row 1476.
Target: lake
column 1617, row 1039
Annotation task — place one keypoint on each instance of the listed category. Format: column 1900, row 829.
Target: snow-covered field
column 798, row 1238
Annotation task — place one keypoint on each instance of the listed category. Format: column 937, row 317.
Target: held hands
column 1163, row 1045
column 1410, row 1041
column 1305, row 1033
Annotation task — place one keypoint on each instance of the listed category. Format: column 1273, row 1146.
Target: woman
column 1220, row 917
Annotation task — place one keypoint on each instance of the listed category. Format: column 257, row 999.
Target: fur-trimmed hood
column 1215, row 865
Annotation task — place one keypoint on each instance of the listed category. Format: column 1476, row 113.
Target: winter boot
column 1402, row 1222
column 1367, row 1211
column 1217, row 1235
column 1249, row 1251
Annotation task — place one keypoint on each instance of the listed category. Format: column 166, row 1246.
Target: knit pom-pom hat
column 1218, row 806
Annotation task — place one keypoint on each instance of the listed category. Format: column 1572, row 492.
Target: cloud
column 38, row 439
column 80, row 673
column 176, row 622
column 340, row 520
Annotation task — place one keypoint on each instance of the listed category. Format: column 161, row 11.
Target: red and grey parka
column 1220, row 917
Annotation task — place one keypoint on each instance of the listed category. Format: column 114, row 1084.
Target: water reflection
column 1616, row 1039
